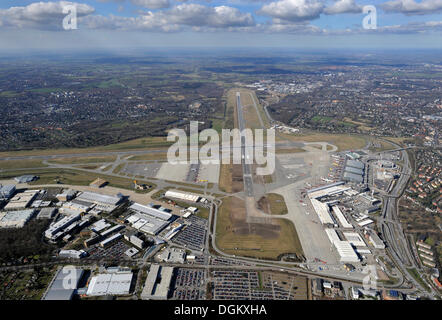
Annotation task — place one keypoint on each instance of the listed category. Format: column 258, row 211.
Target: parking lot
column 189, row 284
column 115, row 251
column 242, row 285
column 194, row 235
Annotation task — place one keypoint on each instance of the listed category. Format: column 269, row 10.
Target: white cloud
column 293, row 10
column 42, row 15
column 184, row 15
column 411, row 7
column 343, row 6
column 152, row 4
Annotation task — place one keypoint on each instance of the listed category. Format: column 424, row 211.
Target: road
column 392, row 231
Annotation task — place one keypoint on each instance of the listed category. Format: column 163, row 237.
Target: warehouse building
column 182, row 195
column 100, row 225
column 66, row 195
column 322, row 211
column 22, row 200
column 157, row 283
column 73, row 207
column 63, row 288
column 25, row 178
column 98, row 183
column 56, row 230
column 139, row 208
column 72, row 254
column 111, row 240
column 344, row 248
column 376, row 241
column 149, row 220
column 15, row 219
column 354, row 170
column 7, row 191
column 111, row 230
column 355, row 164
column 47, row 213
column 342, row 220
column 328, row 190
column 354, row 239
column 352, row 177
column 115, row 283
column 102, row 202
column 136, row 241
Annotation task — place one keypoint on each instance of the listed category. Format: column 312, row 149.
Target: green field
column 277, row 203
column 19, row 164
column 253, row 244
column 74, row 177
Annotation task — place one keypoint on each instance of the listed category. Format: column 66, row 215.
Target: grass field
column 150, row 156
column 83, row 160
column 342, row 141
column 136, row 144
column 225, row 178
column 118, row 168
column 289, row 150
column 276, row 203
column 74, row 177
column 18, row 164
column 254, row 244
column 384, row 145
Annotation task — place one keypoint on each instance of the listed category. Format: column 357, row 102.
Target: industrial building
column 365, row 222
column 354, row 239
column 354, row 170
column 376, row 241
column 352, row 177
column 139, row 208
column 62, row 288
column 344, row 248
column 56, row 230
column 136, row 241
column 172, row 255
column 73, row 207
column 21, row 200
column 47, row 213
column 111, row 230
column 111, row 240
column 7, row 191
column 25, row 178
column 157, row 283
column 66, row 195
column 102, row 202
column 98, row 183
column 72, row 254
column 148, row 219
column 355, row 164
column 15, row 219
column 323, row 211
column 111, row 283
column 342, row 220
column 182, row 195
column 100, row 225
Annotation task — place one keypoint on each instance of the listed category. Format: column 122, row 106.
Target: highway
column 391, row 228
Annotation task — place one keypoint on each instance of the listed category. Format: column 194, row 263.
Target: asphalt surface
column 246, row 151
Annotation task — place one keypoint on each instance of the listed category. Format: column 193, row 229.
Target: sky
column 112, row 24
